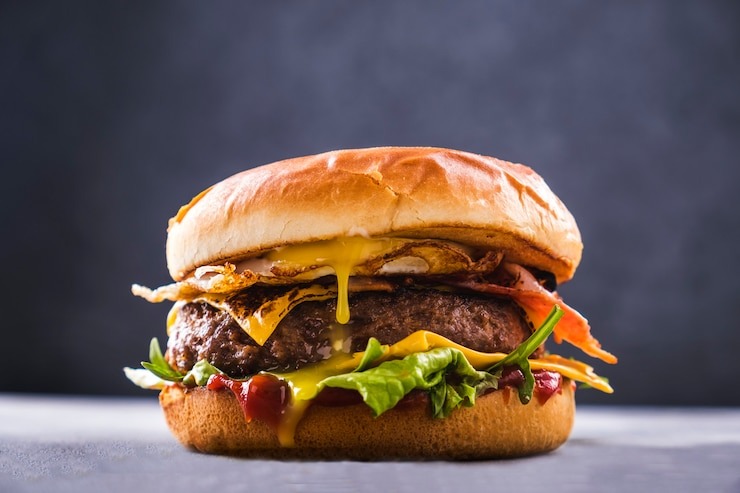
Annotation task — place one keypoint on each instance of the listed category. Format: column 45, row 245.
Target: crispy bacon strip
column 537, row 303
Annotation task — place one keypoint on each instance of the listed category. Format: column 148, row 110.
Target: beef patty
column 479, row 322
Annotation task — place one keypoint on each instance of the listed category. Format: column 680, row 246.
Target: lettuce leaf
column 158, row 372
column 383, row 386
column 373, row 351
column 200, row 373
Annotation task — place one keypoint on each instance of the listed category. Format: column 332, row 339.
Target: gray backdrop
column 113, row 114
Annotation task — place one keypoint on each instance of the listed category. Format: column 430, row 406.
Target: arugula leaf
column 534, row 341
column 527, row 388
column 520, row 355
column 158, row 365
column 383, row 386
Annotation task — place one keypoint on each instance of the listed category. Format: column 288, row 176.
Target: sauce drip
column 546, row 383
column 262, row 397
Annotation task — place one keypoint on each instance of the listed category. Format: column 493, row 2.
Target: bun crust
column 498, row 426
column 388, row 191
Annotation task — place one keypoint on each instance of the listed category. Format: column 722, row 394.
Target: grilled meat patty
column 479, row 322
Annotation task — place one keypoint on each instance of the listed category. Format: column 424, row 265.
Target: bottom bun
column 498, row 426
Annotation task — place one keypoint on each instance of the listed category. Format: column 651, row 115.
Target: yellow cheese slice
column 261, row 323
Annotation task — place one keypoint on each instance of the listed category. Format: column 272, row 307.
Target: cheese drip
column 304, row 386
column 342, row 255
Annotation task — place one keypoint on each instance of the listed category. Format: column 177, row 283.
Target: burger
column 371, row 304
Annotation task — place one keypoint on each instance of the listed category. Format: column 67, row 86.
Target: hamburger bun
column 386, row 191
column 498, row 426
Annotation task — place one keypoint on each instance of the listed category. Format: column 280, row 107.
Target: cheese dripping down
column 341, row 255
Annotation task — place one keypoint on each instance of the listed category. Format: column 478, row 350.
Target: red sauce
column 546, row 383
column 506, row 395
column 511, row 376
column 266, row 398
column 262, row 397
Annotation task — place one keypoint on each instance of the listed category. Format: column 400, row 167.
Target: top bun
column 415, row 192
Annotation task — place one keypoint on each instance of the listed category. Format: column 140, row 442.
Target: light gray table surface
column 60, row 444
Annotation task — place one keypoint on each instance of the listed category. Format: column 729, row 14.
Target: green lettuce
column 383, row 386
column 373, row 351
column 199, row 374
column 158, row 372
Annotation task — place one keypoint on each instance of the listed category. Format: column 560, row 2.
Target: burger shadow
column 329, row 457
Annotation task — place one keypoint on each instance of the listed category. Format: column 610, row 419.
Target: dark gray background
column 113, row 114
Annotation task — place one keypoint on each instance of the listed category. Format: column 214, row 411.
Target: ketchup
column 546, row 383
column 262, row 397
column 266, row 398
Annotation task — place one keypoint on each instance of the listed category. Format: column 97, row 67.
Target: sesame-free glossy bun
column 385, row 191
column 498, row 426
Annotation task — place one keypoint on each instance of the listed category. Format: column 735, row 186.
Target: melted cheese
column 262, row 322
column 342, row 255
column 304, row 386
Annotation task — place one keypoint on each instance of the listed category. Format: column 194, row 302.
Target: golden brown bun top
column 415, row 192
